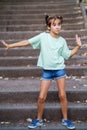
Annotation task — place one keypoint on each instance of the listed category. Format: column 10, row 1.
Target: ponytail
column 47, row 17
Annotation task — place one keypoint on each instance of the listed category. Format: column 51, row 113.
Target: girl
column 53, row 51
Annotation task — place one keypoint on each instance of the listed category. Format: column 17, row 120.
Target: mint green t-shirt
column 53, row 51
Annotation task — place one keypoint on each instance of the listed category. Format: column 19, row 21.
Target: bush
column 85, row 1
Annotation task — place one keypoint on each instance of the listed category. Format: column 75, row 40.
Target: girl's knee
column 41, row 99
column 62, row 97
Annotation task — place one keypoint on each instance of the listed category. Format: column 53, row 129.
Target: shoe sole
column 31, row 127
column 69, row 127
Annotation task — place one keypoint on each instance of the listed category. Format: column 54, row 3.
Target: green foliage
column 85, row 1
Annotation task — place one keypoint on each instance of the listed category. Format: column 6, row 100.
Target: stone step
column 31, row 11
column 29, row 51
column 42, row 27
column 35, row 1
column 71, row 41
column 32, row 97
column 22, row 111
column 15, row 112
column 15, row 90
column 18, row 10
column 38, row 6
column 30, row 60
column 38, row 3
column 4, row 10
column 28, row 21
column 31, row 71
column 25, row 16
column 28, row 34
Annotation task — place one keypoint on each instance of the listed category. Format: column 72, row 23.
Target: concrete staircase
column 19, row 75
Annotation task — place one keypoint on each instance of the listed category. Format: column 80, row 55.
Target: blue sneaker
column 35, row 124
column 68, row 124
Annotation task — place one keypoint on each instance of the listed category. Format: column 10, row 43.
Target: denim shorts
column 53, row 74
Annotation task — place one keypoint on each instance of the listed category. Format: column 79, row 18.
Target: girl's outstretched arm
column 18, row 44
column 78, row 41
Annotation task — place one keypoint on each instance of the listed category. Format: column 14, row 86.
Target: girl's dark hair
column 49, row 18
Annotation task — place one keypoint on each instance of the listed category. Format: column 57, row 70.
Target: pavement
column 47, row 126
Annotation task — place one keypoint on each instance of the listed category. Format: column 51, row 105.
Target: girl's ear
column 48, row 28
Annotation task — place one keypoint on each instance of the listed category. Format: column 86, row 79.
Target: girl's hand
column 78, row 41
column 5, row 44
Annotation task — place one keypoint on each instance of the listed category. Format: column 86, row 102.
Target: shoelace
column 69, row 123
column 34, row 122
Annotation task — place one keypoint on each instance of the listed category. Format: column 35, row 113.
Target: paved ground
column 47, row 126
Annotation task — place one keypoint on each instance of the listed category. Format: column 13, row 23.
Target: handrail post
column 79, row 1
column 83, row 12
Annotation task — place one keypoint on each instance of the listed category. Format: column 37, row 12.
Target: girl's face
column 55, row 27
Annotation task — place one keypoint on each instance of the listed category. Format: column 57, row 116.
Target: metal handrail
column 81, row 2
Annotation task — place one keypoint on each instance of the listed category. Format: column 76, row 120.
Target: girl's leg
column 62, row 95
column 45, row 84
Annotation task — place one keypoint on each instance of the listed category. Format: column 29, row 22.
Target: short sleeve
column 65, row 51
column 35, row 41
